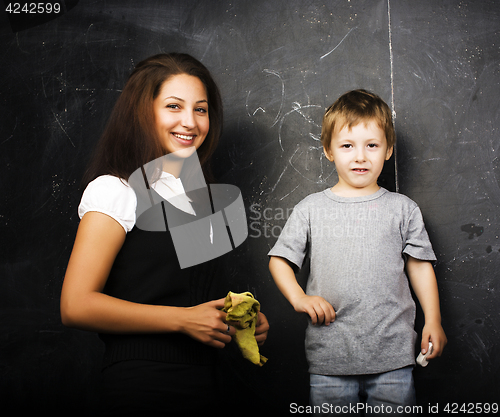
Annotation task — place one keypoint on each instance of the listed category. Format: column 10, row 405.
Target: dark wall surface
column 279, row 64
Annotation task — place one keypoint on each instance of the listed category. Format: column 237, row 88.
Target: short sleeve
column 112, row 196
column 292, row 242
column 417, row 243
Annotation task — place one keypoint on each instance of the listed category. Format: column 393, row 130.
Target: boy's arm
column 424, row 284
column 318, row 308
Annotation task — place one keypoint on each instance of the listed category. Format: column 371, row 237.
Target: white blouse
column 113, row 196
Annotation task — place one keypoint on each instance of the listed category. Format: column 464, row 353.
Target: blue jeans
column 390, row 392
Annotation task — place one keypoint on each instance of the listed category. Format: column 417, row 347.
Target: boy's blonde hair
column 354, row 107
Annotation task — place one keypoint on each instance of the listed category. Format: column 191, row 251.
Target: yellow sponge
column 242, row 310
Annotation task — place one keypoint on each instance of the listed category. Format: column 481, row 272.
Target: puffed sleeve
column 112, row 196
column 417, row 243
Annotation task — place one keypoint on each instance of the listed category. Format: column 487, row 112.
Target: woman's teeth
column 183, row 137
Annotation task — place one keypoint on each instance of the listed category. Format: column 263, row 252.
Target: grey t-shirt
column 356, row 247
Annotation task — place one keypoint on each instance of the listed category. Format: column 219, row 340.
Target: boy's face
column 359, row 155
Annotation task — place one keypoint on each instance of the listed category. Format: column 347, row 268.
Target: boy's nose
column 360, row 155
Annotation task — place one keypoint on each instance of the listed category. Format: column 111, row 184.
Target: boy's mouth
column 360, row 170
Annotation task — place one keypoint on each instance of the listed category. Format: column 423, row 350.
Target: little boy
column 360, row 238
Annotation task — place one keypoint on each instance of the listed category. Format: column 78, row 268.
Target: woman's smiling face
column 181, row 113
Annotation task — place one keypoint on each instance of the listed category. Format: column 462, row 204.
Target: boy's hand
column 433, row 332
column 320, row 310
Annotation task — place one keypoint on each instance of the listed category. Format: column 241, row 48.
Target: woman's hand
column 261, row 329
column 207, row 324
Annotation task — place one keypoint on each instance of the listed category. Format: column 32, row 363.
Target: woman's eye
column 201, row 110
column 172, row 106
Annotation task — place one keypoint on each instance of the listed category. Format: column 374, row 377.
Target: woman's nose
column 188, row 119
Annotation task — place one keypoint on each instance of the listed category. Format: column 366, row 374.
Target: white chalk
column 422, row 359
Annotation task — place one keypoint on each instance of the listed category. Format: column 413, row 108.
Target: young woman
column 157, row 321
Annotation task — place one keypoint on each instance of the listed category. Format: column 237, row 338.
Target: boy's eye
column 346, row 145
column 372, row 145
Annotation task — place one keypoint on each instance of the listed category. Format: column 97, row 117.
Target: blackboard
column 279, row 64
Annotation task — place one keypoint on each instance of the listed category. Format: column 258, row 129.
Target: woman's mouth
column 184, row 137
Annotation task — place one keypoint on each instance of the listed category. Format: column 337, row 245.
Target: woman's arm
column 424, row 284
column 83, row 305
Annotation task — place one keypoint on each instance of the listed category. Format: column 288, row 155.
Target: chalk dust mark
column 260, row 108
column 55, row 116
column 277, row 74
column 328, row 53
column 286, row 195
column 391, row 59
column 11, row 135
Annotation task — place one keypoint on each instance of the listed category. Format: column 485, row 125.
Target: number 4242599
column 471, row 408
column 33, row 8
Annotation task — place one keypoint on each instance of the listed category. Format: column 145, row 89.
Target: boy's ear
column 328, row 154
column 389, row 153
